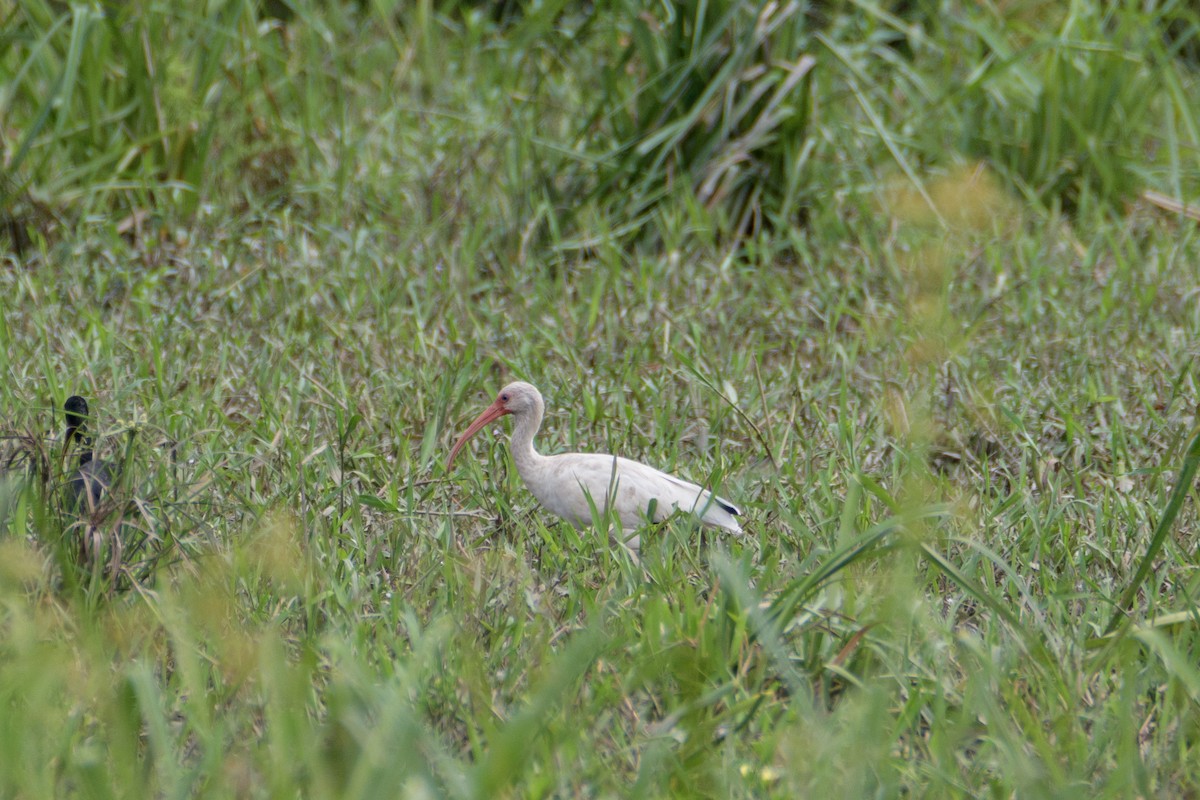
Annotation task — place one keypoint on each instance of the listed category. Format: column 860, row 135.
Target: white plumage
column 564, row 483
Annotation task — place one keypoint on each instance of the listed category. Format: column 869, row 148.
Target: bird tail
column 720, row 512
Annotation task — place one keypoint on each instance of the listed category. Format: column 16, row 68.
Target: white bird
column 564, row 483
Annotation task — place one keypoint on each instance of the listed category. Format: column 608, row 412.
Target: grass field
column 907, row 281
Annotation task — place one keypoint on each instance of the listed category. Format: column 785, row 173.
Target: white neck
column 525, row 427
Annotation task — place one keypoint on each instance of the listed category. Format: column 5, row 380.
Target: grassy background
column 905, row 280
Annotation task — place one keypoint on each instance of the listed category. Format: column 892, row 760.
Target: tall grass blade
column 511, row 748
column 1183, row 486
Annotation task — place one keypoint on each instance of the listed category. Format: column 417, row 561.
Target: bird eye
column 504, row 398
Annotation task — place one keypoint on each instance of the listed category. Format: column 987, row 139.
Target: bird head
column 76, row 412
column 518, row 398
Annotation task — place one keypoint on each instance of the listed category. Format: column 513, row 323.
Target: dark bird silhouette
column 94, row 477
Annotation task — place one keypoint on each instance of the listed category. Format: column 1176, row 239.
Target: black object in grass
column 94, row 477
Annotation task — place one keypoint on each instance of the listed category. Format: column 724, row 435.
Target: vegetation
column 913, row 282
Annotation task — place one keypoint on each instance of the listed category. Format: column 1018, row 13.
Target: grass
column 955, row 395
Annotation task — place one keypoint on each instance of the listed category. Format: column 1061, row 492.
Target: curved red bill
column 492, row 412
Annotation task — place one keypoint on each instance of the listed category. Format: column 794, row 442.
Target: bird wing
column 90, row 482
column 670, row 493
column 634, row 490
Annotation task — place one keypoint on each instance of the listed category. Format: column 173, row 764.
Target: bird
column 565, row 483
column 94, row 477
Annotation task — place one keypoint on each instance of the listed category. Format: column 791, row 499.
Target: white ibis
column 564, row 483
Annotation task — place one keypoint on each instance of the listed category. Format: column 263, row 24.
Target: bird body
column 569, row 485
column 89, row 483
column 93, row 478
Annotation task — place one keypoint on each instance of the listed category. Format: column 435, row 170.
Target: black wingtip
column 728, row 506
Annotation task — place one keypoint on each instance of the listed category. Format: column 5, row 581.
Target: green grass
column 948, row 373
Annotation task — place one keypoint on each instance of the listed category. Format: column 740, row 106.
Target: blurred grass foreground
column 913, row 282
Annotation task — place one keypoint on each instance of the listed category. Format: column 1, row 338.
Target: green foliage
column 962, row 424
column 147, row 110
column 1068, row 114
column 123, row 99
column 714, row 97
